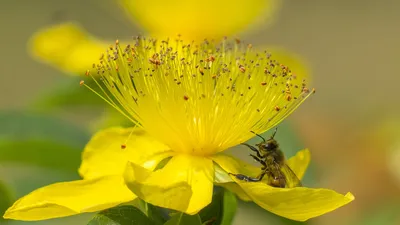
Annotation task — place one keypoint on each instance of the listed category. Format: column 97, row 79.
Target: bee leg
column 253, row 149
column 262, row 174
column 246, row 178
column 258, row 160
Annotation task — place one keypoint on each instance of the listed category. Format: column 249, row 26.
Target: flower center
column 198, row 99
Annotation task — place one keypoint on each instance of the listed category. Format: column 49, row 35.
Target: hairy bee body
column 274, row 166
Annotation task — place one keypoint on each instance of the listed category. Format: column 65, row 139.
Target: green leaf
column 222, row 209
column 29, row 126
column 229, row 208
column 155, row 214
column 259, row 216
column 184, row 219
column 121, row 215
column 44, row 153
column 69, row 94
column 5, row 198
column 40, row 140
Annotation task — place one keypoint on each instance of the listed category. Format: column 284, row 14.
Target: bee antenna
column 258, row 135
column 273, row 135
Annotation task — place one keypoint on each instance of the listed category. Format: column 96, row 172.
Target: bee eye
column 269, row 146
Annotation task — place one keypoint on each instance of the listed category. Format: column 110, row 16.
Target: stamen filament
column 198, row 99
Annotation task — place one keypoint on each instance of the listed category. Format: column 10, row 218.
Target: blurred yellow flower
column 189, row 104
column 63, row 45
column 196, row 20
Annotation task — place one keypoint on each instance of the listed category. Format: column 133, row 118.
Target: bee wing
column 291, row 178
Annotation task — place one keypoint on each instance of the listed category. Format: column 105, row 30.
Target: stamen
column 123, row 146
column 197, row 98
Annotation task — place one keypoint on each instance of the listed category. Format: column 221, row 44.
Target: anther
column 154, row 61
column 277, row 108
column 81, row 82
column 210, row 59
column 185, row 97
column 263, row 83
column 123, row 146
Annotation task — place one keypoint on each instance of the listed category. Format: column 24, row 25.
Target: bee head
column 269, row 145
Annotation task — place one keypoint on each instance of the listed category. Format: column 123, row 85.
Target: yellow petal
column 184, row 184
column 299, row 162
column 104, row 154
column 235, row 188
column 198, row 19
column 69, row 198
column 294, row 203
column 67, row 47
column 229, row 163
column 299, row 203
column 233, row 165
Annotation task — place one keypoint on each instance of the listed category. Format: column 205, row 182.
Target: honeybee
column 273, row 164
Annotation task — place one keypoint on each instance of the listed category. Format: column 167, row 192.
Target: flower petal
column 226, row 163
column 184, row 184
column 297, row 163
column 300, row 162
column 104, row 154
column 66, row 46
column 198, row 19
column 69, row 198
column 233, row 165
column 294, row 203
column 299, row 203
column 235, row 188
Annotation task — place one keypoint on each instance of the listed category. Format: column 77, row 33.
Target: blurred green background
column 351, row 125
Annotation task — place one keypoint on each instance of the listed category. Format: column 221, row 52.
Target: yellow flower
column 189, row 103
column 62, row 45
column 195, row 20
